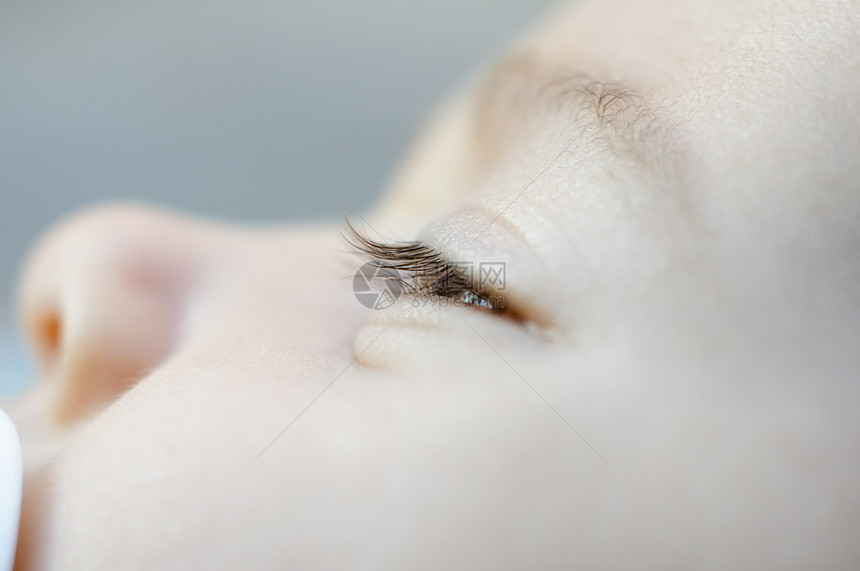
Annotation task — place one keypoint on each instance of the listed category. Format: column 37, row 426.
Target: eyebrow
column 521, row 92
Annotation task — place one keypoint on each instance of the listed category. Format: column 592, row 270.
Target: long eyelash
column 420, row 269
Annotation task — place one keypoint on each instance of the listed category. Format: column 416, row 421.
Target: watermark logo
column 464, row 299
column 460, row 284
column 491, row 275
column 377, row 287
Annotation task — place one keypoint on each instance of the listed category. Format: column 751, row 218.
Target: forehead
column 674, row 48
column 725, row 71
column 767, row 93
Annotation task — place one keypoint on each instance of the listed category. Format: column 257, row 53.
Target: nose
column 102, row 300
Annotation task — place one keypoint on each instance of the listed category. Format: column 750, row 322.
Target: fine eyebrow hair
column 522, row 93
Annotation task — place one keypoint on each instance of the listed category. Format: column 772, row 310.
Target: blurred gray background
column 161, row 101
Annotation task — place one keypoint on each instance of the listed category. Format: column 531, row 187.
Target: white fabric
column 10, row 490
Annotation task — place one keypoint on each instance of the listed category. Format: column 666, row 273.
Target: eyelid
column 424, row 271
column 532, row 286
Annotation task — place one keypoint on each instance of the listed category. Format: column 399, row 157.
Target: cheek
column 163, row 473
column 175, row 466
column 437, row 459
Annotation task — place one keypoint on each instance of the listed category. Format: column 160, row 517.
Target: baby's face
column 671, row 188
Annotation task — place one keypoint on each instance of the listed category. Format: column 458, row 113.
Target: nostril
column 49, row 333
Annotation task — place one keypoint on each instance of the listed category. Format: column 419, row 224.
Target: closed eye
column 423, row 271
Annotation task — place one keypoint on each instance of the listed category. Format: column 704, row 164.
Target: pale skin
column 677, row 389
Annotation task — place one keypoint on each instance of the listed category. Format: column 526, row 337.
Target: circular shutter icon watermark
column 376, row 287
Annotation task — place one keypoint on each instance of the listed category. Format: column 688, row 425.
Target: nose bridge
column 102, row 300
